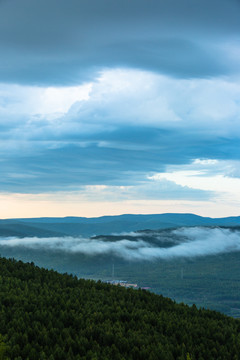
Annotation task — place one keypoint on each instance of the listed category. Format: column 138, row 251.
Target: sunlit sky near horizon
column 111, row 107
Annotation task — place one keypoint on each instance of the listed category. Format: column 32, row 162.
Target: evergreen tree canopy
column 47, row 315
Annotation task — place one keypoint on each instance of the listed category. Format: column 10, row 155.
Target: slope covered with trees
column 211, row 281
column 47, row 315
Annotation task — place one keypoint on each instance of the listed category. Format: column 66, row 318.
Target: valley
column 166, row 261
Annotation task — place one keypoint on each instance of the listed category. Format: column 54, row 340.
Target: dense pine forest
column 50, row 316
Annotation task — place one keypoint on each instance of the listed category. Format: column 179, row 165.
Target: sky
column 112, row 107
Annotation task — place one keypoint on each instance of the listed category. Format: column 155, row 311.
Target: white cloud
column 220, row 176
column 189, row 242
column 20, row 100
column 123, row 97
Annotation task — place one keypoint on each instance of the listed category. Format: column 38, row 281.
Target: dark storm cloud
column 45, row 166
column 65, row 42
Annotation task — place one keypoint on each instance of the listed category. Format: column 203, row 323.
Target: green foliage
column 47, row 315
column 3, row 348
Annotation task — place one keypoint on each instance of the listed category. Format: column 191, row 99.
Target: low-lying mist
column 185, row 242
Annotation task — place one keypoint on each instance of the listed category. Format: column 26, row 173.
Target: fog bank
column 186, row 242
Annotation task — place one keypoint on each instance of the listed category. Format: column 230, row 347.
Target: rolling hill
column 75, row 226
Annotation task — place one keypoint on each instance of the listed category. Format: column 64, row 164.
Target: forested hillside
column 46, row 315
column 193, row 265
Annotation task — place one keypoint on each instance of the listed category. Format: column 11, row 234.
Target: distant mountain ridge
column 76, row 226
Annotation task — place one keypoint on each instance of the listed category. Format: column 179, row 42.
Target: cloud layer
column 54, row 42
column 186, row 243
column 126, row 126
column 100, row 97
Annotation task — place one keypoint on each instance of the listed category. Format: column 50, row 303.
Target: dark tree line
column 45, row 315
